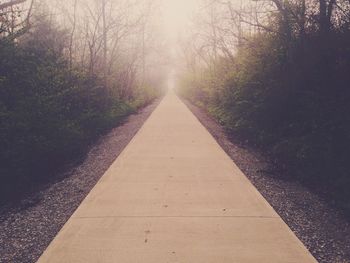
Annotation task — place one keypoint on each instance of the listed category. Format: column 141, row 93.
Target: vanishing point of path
column 174, row 195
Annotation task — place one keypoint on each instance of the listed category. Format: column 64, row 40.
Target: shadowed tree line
column 67, row 75
column 276, row 74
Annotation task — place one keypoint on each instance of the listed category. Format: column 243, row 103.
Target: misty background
column 274, row 73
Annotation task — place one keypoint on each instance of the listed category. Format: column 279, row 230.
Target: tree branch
column 11, row 3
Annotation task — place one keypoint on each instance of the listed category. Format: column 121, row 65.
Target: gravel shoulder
column 322, row 229
column 28, row 227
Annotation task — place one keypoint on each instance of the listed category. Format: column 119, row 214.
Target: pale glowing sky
column 177, row 15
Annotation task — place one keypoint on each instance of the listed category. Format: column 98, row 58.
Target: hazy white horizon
column 177, row 16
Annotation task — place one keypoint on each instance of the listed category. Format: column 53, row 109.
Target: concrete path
column 174, row 195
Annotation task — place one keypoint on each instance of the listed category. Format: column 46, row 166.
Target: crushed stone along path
column 27, row 227
column 174, row 195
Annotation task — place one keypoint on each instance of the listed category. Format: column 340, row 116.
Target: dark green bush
column 291, row 101
column 49, row 114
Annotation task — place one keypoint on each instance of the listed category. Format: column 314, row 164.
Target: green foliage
column 291, row 101
column 49, row 113
column 144, row 95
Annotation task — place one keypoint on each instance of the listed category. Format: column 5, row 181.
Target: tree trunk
column 104, row 25
column 325, row 16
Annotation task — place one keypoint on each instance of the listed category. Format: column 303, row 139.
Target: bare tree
column 15, row 18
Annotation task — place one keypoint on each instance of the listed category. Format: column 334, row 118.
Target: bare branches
column 29, row 12
column 13, row 21
column 11, row 4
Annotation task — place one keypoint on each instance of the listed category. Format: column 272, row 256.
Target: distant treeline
column 276, row 74
column 52, row 104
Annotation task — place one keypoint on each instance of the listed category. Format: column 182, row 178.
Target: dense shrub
column 49, row 113
column 290, row 100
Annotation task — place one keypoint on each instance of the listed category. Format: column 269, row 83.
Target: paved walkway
column 174, row 195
